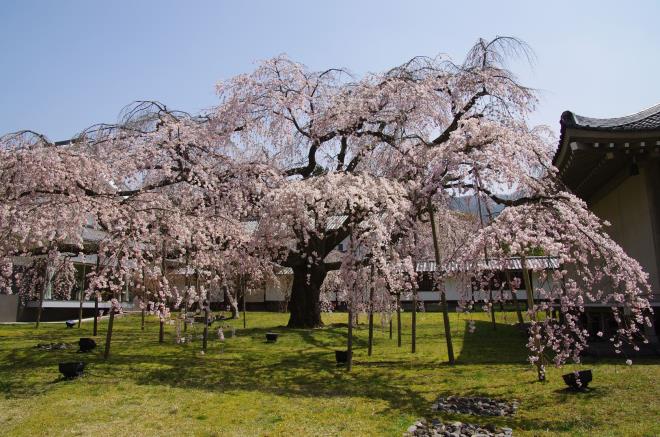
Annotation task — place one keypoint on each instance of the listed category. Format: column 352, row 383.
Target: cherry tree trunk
column 231, row 300
column 305, row 292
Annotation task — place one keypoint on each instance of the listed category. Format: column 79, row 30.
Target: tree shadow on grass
column 301, row 364
column 587, row 393
column 308, row 369
column 311, row 374
column 504, row 345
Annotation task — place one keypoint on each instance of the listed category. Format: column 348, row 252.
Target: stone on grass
column 53, row 346
column 455, row 429
column 476, row 406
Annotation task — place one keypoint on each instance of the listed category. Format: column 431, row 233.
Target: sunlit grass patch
column 246, row 387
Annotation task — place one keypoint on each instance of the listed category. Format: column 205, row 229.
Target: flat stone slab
column 476, row 406
column 436, row 428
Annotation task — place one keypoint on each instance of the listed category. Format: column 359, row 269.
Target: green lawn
column 292, row 387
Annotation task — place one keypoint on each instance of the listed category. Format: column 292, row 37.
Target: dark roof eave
column 646, row 121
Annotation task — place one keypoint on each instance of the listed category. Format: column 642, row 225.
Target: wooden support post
column 43, row 293
column 371, row 312
column 532, row 314
column 144, row 296
column 514, row 296
column 185, row 295
column 492, row 309
column 207, row 304
column 244, row 289
column 82, row 293
column 443, row 296
column 96, row 314
column 398, row 320
column 108, row 335
column 413, row 328
column 96, row 297
column 349, row 360
column 163, row 272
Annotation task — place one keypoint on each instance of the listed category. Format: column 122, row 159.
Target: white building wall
column 455, row 290
column 274, row 291
column 279, row 288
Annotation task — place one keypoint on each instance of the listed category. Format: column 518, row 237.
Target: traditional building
column 614, row 165
column 13, row 308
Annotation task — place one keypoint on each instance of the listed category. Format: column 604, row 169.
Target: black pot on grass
column 86, row 344
column 341, row 357
column 578, row 380
column 271, row 337
column 72, row 369
column 70, row 323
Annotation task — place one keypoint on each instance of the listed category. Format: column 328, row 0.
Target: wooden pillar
column 398, row 319
column 532, row 314
column 82, row 293
column 514, row 296
column 443, row 297
column 163, row 266
column 96, row 297
column 144, row 296
column 43, row 293
column 244, row 289
column 413, row 328
column 371, row 311
column 492, row 308
column 349, row 360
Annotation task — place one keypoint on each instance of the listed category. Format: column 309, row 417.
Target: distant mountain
column 489, row 209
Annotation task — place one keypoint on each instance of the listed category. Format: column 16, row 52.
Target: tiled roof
column 648, row 119
column 532, row 263
column 333, row 222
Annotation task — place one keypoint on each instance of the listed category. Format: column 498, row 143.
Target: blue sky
column 69, row 64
